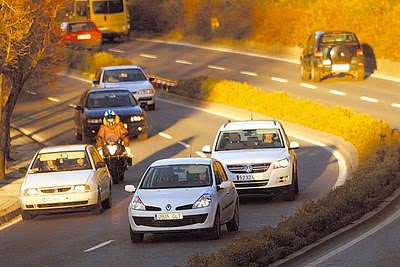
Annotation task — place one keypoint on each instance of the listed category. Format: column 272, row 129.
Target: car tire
column 98, row 208
column 136, row 237
column 296, row 183
column 143, row 136
column 305, row 74
column 151, row 107
column 215, row 232
column 26, row 215
column 359, row 75
column 86, row 139
column 315, row 74
column 108, row 202
column 233, row 224
column 290, row 195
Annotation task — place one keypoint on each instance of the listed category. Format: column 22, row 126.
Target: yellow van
column 110, row 16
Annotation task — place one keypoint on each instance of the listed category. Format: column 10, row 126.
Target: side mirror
column 130, row 188
column 79, row 108
column 294, row 145
column 96, row 82
column 206, row 149
column 22, row 170
column 100, row 164
column 225, row 185
column 151, row 79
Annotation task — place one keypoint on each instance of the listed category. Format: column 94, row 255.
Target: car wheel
column 97, row 209
column 359, row 75
column 86, row 139
column 115, row 177
column 315, row 75
column 143, row 136
column 305, row 74
column 108, row 202
column 78, row 135
column 151, row 107
column 136, row 237
column 121, row 176
column 215, row 232
column 26, row 215
column 233, row 225
column 296, row 183
column 290, row 195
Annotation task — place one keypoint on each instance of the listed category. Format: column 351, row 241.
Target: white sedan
column 183, row 194
column 65, row 178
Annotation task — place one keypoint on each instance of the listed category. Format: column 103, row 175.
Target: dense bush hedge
column 273, row 23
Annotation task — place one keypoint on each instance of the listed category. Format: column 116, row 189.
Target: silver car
column 131, row 77
column 65, row 178
column 183, row 194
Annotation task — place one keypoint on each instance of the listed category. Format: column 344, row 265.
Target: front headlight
column 203, row 201
column 94, row 121
column 146, row 92
column 137, row 204
column 283, row 163
column 136, row 118
column 31, row 192
column 82, row 188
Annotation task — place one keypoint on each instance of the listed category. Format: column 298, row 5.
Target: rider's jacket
column 117, row 129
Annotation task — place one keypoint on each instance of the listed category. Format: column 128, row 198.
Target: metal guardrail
column 163, row 83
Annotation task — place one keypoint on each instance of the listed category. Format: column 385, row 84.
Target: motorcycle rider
column 113, row 126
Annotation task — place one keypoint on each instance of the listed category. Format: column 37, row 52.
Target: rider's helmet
column 109, row 117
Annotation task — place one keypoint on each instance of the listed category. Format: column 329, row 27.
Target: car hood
column 250, row 156
column 174, row 196
column 122, row 111
column 132, row 86
column 55, row 179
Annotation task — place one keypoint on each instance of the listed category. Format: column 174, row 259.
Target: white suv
column 258, row 156
column 131, row 77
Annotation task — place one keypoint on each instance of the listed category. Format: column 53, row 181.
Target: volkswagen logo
column 248, row 168
column 168, row 207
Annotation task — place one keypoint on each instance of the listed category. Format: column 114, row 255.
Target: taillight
column 359, row 52
column 318, row 54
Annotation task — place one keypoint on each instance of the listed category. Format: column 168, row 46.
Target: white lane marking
column 369, row 99
column 395, row 105
column 215, row 67
column 340, row 158
column 116, row 50
column 31, row 92
column 248, row 73
column 335, row 92
column 165, row 135
column 280, row 80
column 53, row 99
column 181, row 61
column 307, row 85
column 200, row 154
column 147, row 55
column 100, row 245
column 184, row 144
column 35, row 137
column 75, row 77
column 358, row 239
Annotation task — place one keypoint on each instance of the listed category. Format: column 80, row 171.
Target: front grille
column 55, row 190
column 257, row 168
column 187, row 220
column 254, row 183
column 63, row 204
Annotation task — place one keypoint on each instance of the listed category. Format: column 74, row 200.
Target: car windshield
column 123, row 75
column 61, row 161
column 110, row 99
column 249, row 139
column 177, row 176
column 338, row 38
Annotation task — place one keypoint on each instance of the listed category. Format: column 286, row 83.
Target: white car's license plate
column 168, row 216
column 340, row 67
column 248, row 177
column 84, row 36
column 54, row 199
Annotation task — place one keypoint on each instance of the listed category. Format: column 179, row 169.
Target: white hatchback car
column 183, row 194
column 259, row 157
column 65, row 178
column 131, row 77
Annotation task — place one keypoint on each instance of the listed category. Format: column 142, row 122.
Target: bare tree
column 30, row 48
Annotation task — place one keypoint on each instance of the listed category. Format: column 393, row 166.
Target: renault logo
column 168, row 207
column 248, row 168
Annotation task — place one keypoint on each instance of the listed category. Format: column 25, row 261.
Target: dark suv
column 331, row 52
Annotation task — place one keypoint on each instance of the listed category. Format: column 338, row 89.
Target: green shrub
column 103, row 59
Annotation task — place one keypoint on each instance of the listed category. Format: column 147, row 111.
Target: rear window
column 108, row 7
column 80, row 27
column 338, row 38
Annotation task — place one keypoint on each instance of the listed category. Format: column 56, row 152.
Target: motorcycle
column 115, row 156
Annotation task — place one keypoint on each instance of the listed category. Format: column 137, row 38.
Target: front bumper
column 147, row 99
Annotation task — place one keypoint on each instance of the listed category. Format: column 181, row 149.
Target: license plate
column 54, row 199
column 248, row 177
column 340, row 67
column 84, row 36
column 169, row 216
